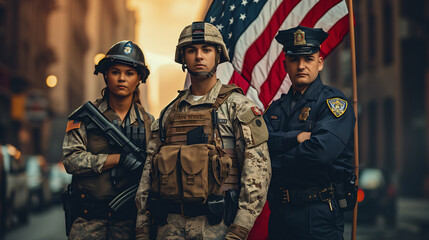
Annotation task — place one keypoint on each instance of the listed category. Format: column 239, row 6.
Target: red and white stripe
column 258, row 58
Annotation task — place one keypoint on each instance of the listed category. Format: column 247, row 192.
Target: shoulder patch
column 337, row 106
column 73, row 124
column 256, row 111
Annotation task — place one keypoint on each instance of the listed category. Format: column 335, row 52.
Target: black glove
column 129, row 162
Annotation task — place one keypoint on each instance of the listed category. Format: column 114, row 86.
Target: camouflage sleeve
column 142, row 223
column 251, row 139
column 77, row 160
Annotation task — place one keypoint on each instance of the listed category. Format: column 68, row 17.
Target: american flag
column 248, row 28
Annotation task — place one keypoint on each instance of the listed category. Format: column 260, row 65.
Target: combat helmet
column 124, row 52
column 199, row 33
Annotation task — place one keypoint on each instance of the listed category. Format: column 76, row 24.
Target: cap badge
column 299, row 38
column 128, row 48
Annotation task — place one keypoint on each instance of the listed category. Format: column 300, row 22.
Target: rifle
column 94, row 119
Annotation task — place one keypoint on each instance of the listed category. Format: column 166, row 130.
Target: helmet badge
column 128, row 48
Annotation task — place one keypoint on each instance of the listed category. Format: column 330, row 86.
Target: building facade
column 52, row 37
column 392, row 75
column 24, row 57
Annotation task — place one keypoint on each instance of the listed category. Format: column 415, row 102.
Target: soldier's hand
column 302, row 136
column 236, row 232
column 129, row 162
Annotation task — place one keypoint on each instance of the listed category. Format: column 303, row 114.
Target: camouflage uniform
column 238, row 133
column 84, row 156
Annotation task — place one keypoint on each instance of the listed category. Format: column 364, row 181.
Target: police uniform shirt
column 323, row 111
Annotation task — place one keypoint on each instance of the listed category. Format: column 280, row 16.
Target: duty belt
column 300, row 196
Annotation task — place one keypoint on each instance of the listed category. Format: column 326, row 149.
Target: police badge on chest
column 305, row 112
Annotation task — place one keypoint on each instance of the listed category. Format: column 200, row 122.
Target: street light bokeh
column 51, row 81
column 98, row 57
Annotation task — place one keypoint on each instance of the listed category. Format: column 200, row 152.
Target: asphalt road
column 413, row 224
column 45, row 225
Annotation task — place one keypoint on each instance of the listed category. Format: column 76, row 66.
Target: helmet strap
column 200, row 74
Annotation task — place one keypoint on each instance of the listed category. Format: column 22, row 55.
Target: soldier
column 310, row 141
column 208, row 166
column 100, row 171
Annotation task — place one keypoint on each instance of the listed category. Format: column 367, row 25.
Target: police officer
column 310, row 143
column 100, row 171
column 208, row 166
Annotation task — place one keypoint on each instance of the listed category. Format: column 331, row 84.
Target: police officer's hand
column 236, row 232
column 302, row 136
column 129, row 162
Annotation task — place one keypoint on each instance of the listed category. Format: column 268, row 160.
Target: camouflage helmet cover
column 198, row 33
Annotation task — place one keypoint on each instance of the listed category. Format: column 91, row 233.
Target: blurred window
column 372, row 34
column 371, row 178
column 34, row 172
column 373, row 126
column 389, row 133
column 388, row 33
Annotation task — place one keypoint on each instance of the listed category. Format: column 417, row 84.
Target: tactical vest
column 191, row 164
column 100, row 186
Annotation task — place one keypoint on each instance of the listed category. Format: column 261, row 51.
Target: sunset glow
column 158, row 27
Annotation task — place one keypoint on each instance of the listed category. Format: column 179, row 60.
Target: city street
column 45, row 225
column 413, row 219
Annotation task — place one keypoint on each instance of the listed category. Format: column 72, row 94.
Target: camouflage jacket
column 250, row 139
column 77, row 160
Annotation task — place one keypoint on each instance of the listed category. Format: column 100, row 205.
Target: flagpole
column 355, row 107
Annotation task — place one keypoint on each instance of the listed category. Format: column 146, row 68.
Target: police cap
column 301, row 40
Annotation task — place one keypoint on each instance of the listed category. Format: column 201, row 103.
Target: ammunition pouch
column 346, row 193
column 231, row 206
column 189, row 172
column 158, row 213
column 216, row 207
